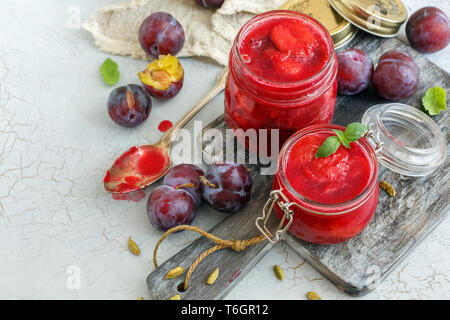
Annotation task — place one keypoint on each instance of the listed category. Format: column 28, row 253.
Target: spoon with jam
column 142, row 165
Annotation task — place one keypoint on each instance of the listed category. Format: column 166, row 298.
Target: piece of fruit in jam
column 163, row 78
column 293, row 38
column 284, row 63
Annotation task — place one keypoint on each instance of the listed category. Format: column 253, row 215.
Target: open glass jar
column 321, row 212
column 338, row 198
column 260, row 95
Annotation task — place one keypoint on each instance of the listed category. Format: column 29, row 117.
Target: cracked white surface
column 56, row 141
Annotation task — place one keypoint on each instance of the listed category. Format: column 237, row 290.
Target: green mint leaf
column 328, row 147
column 341, row 136
column 110, row 72
column 354, row 131
column 434, row 100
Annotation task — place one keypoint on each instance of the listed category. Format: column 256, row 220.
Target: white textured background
column 56, row 140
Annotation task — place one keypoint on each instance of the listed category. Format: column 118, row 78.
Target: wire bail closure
column 276, row 197
column 373, row 141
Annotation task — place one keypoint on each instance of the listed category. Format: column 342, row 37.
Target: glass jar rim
column 333, row 208
column 245, row 27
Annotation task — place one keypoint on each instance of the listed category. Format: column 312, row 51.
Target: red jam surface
column 338, row 178
column 336, row 196
column 282, row 75
column 285, row 49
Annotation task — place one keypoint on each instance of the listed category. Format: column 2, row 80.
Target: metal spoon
column 142, row 165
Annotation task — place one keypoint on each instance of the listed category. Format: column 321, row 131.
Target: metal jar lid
column 380, row 17
column 340, row 29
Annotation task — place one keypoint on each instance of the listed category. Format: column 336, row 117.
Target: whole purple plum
column 168, row 207
column 396, row 76
column 160, row 34
column 129, row 105
column 227, row 186
column 428, row 30
column 355, row 69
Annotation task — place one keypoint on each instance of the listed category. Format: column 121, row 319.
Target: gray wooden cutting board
column 355, row 266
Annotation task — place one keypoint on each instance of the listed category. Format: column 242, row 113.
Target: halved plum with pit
column 163, row 78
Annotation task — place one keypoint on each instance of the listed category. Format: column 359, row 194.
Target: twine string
column 235, row 245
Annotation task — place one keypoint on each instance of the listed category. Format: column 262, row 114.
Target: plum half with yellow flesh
column 163, row 78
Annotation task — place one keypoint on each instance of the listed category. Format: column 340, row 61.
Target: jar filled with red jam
column 326, row 200
column 332, row 199
column 282, row 74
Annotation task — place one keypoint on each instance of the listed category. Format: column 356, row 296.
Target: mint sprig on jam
column 352, row 133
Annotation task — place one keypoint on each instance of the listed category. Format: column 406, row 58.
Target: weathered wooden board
column 356, row 265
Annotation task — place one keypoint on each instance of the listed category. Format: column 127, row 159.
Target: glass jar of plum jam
column 282, row 74
column 324, row 200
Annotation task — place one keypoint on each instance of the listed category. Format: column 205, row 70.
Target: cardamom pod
column 388, row 188
column 133, row 247
column 279, row 272
column 176, row 297
column 213, row 276
column 311, row 295
column 174, row 273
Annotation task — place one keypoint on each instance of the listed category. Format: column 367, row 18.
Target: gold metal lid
column 340, row 29
column 379, row 17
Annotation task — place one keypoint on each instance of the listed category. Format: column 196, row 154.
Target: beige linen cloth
column 208, row 32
